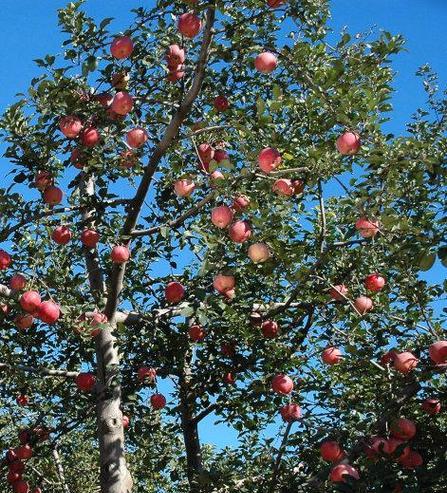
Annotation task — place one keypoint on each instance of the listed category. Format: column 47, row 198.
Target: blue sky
column 29, row 30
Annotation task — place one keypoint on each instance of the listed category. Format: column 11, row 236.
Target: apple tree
column 204, row 219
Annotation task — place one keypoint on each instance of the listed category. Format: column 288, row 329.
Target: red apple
column 76, row 158
column 290, row 412
column 121, row 47
column 17, row 465
column 174, row 292
column 270, row 329
column 85, row 381
column 392, row 444
column 221, row 103
column 411, row 460
column 273, row 4
column 189, row 25
column 90, row 238
column 438, row 352
column 43, row 180
column 22, row 400
column 17, row 282
column 338, row 473
column 338, row 292
column 374, row 447
column 184, row 187
column 266, row 62
column 216, row 176
column 258, row 252
column 228, row 349
column 225, row 285
column 11, row 455
column 90, row 137
column 206, row 154
column 229, row 378
column 30, row 301
column 405, row 362
column 175, row 56
column 269, row 159
column 20, row 487
column 221, row 216
column 70, row 126
column 388, row 357
column 403, row 428
column 282, row 384
column 61, row 235
column 128, row 159
column 158, row 401
column 331, row 451
column 240, row 231
column 348, row 143
column 431, row 406
column 220, row 155
column 363, row 304
column 331, row 356
column 24, row 452
column 104, row 99
column 146, row 373
column 126, row 421
column 374, row 282
column 366, row 227
column 122, row 103
column 196, row 333
column 49, row 312
column 24, row 322
column 137, row 137
column 13, row 477
column 120, row 254
column 53, row 195
column 241, row 203
column 5, row 260
column 283, row 187
column 176, row 74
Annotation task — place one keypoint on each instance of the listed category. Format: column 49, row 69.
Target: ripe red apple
column 174, row 292
column 258, row 252
column 13, row 477
column 338, row 473
column 184, row 187
column 20, row 487
column 366, row 227
column 24, row 322
column 128, row 159
column 431, row 406
column 220, row 155
column 17, row 282
column 229, row 378
column 282, row 384
column 225, row 285
column 206, row 154
column 49, row 312
column 90, row 238
column 189, row 25
column 411, row 460
column 266, row 62
column 241, row 203
column 37, row 490
column 392, row 444
column 175, row 56
column 290, row 412
column 24, row 437
column 216, row 176
column 438, row 352
column 221, row 103
column 270, row 329
column 196, row 333
column 93, row 322
column 126, row 421
column 331, row 356
column 5, row 260
column 176, row 73
column 388, row 357
column 70, row 126
column 122, row 103
column 22, row 400
column 120, row 254
column 61, row 235
column 53, row 195
column 374, row 447
column 228, row 349
column 137, row 137
column 104, row 99
column 30, row 301
column 24, row 452
column 348, row 143
column 283, row 187
column 146, row 373
column 43, row 180
column 158, row 401
column 221, row 216
column 76, row 158
column 11, row 455
column 90, row 137
column 240, row 231
column 363, row 304
column 405, row 362
column 331, row 451
column 273, row 4
column 338, row 292
column 121, row 47
column 17, row 465
column 269, row 159
column 374, row 282
column 403, row 428
column 85, row 381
